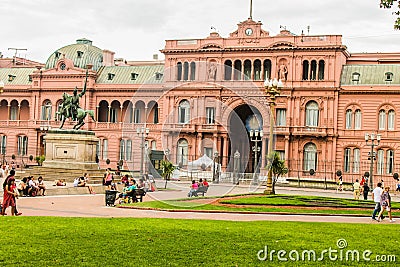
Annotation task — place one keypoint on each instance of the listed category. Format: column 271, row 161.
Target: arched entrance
column 242, row 120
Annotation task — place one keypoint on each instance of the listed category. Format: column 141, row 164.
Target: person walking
column 386, row 204
column 365, row 191
column 376, row 196
column 9, row 196
column 356, row 188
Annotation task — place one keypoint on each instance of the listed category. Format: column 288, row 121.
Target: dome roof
column 81, row 53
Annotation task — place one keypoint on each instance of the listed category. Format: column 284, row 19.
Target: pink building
column 209, row 94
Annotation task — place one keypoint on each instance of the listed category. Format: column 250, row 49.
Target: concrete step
column 68, row 175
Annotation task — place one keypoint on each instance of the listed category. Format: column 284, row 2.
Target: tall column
column 264, row 153
column 225, row 155
column 19, row 112
column 198, row 151
column 120, row 115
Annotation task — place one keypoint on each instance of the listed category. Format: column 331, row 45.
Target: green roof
column 370, row 74
column 88, row 54
column 131, row 75
column 16, row 76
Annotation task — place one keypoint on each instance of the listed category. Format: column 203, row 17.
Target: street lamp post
column 142, row 132
column 215, row 171
column 256, row 136
column 372, row 152
column 272, row 89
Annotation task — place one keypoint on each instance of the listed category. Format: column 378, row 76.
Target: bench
column 136, row 195
column 202, row 190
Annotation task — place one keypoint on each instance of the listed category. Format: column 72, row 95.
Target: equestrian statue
column 70, row 108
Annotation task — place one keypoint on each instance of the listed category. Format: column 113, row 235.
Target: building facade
column 209, row 94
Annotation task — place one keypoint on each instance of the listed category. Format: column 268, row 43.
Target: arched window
column 153, row 114
column 14, row 110
column 247, row 69
column 192, row 71
column 257, row 70
column 182, row 152
column 313, row 70
column 138, row 112
column 58, row 107
column 349, row 118
column 24, row 110
column 184, row 112
column 267, row 69
column 237, row 75
column 179, row 71
column 357, row 119
column 114, row 111
column 391, row 118
column 22, row 146
column 185, row 71
column 321, row 70
column 46, row 111
column 228, row 70
column 305, row 69
column 382, row 120
column 312, row 114
column 4, row 110
column 102, row 116
column 127, row 112
column 310, row 157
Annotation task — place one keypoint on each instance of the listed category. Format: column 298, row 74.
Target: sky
column 137, row 29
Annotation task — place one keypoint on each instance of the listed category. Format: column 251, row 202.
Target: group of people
column 382, row 199
column 194, row 187
column 361, row 187
column 130, row 185
column 29, row 187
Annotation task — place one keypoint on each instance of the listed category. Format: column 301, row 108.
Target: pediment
column 211, row 46
column 282, row 45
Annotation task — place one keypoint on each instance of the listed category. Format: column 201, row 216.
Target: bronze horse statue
column 81, row 114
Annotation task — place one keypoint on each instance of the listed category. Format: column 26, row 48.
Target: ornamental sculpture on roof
column 70, row 107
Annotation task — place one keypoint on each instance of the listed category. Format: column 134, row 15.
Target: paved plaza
column 94, row 205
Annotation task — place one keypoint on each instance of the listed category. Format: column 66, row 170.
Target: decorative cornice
column 252, row 49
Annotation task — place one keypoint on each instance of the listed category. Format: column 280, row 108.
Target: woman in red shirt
column 9, row 196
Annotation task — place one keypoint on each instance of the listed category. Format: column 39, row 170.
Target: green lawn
column 275, row 203
column 55, row 241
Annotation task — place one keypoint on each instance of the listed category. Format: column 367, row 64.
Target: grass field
column 55, row 241
column 275, row 203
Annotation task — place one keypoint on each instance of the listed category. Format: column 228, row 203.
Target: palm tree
column 278, row 168
column 167, row 168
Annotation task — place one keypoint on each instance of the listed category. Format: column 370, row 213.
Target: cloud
column 137, row 29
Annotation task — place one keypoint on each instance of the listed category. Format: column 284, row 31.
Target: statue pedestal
column 71, row 149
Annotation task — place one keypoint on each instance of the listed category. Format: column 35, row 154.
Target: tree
column 167, row 168
column 277, row 167
column 389, row 4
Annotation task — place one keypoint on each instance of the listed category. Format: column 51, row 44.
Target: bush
column 40, row 159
